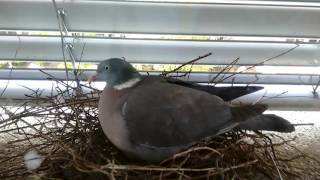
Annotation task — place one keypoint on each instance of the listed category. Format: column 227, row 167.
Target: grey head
column 116, row 71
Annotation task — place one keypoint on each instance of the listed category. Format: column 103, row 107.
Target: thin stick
column 10, row 72
column 61, row 37
column 228, row 67
column 187, row 63
column 303, row 124
column 316, row 87
column 275, row 165
column 141, row 168
column 262, row 62
column 191, row 150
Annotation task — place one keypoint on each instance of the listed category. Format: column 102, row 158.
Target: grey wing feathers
column 173, row 115
column 243, row 113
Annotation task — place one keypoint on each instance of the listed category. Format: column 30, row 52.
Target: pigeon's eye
column 106, row 67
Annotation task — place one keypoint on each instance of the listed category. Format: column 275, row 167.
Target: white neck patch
column 127, row 84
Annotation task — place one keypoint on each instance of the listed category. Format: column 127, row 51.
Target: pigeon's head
column 117, row 72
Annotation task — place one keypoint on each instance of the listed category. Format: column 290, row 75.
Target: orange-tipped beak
column 92, row 78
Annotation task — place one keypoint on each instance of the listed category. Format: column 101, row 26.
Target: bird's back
column 173, row 115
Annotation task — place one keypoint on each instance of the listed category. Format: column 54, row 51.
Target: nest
column 72, row 145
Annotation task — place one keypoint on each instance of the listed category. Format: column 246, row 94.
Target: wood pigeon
column 151, row 118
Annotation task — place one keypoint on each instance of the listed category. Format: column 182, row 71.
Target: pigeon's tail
column 251, row 118
column 267, row 122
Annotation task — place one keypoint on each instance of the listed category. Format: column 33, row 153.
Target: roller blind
column 164, row 32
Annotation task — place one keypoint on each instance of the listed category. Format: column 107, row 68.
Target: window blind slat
column 199, row 77
column 159, row 51
column 167, row 18
column 297, row 97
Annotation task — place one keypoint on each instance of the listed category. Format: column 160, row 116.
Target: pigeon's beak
column 92, row 78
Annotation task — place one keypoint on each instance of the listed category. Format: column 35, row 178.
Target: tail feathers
column 243, row 113
column 267, row 122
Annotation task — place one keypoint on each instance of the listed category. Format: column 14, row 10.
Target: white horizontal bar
column 303, row 3
column 295, row 98
column 163, row 18
column 159, row 51
column 18, row 74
